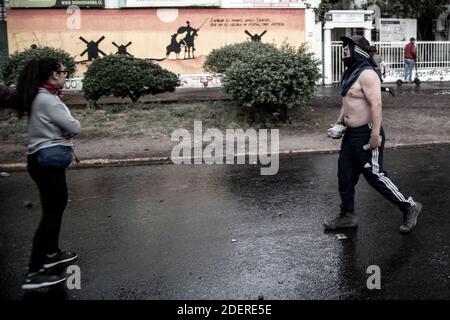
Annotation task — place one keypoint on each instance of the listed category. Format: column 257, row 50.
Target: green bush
column 273, row 81
column 18, row 60
column 220, row 59
column 126, row 76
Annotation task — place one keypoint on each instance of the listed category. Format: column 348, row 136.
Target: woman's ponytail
column 34, row 73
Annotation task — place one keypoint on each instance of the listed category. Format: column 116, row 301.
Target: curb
column 95, row 163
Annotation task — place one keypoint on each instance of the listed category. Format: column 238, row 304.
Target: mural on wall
column 177, row 39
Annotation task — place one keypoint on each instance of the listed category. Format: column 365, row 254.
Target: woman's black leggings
column 53, row 191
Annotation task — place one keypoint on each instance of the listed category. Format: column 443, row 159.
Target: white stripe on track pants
column 354, row 160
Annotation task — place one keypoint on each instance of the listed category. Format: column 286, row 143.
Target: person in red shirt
column 410, row 58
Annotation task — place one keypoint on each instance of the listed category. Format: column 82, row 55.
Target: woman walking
column 51, row 128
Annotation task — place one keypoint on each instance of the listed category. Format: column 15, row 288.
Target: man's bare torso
column 357, row 110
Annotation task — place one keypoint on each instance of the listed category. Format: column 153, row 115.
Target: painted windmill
column 122, row 49
column 255, row 37
column 92, row 48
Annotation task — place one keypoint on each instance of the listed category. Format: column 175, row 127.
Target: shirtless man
column 363, row 142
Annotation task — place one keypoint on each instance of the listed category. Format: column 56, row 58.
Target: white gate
column 433, row 60
column 337, row 66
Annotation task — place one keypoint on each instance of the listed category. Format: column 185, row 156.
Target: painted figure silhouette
column 188, row 40
column 174, row 46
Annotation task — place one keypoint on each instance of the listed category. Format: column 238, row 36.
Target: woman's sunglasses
column 62, row 71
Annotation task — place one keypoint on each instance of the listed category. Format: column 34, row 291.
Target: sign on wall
column 57, row 3
column 177, row 39
column 394, row 29
column 265, row 3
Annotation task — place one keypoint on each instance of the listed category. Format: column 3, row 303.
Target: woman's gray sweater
column 50, row 120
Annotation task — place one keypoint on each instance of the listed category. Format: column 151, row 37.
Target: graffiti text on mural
column 254, row 22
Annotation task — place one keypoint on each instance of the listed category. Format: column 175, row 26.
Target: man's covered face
column 346, row 52
column 347, row 57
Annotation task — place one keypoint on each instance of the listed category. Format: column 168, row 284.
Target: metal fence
column 430, row 55
column 337, row 66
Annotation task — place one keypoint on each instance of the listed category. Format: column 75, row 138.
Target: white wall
column 111, row 4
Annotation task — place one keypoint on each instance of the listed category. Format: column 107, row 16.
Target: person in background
column 381, row 67
column 410, row 58
column 50, row 125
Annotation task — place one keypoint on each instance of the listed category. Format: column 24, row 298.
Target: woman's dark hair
column 34, row 73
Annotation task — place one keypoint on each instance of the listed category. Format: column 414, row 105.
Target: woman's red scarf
column 52, row 89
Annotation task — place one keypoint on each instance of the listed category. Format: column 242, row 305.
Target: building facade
column 178, row 35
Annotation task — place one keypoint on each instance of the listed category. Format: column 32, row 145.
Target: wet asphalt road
column 166, row 231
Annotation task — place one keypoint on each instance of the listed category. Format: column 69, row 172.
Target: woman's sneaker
column 61, row 258
column 41, row 280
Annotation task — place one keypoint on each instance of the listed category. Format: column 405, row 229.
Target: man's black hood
column 359, row 50
column 358, row 61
